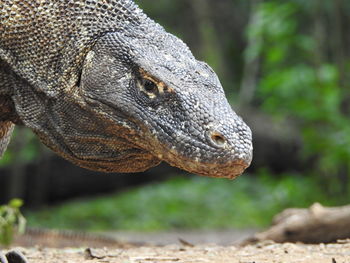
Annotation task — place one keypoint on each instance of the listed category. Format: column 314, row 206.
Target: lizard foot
column 13, row 256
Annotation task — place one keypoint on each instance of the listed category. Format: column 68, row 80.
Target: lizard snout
column 231, row 142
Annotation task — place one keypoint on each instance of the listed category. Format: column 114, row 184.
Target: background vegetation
column 284, row 65
column 11, row 221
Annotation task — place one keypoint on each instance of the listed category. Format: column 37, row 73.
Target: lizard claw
column 13, row 256
column 3, row 259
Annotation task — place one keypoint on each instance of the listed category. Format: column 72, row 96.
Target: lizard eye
column 150, row 86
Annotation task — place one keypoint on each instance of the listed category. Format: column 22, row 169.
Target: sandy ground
column 189, row 246
column 264, row 252
column 62, row 238
column 219, row 237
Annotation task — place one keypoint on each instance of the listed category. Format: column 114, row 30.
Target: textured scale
column 46, row 40
column 74, row 72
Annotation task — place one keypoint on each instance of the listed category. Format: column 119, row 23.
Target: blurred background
column 284, row 65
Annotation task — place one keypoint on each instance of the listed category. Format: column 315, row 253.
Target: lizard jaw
column 230, row 166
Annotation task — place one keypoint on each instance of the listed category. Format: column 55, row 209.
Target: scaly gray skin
column 107, row 88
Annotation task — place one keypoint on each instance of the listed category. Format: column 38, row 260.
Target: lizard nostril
column 218, row 139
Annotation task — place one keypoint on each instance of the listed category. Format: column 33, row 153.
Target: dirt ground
column 191, row 246
column 268, row 252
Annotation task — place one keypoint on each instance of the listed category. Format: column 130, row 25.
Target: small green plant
column 11, row 221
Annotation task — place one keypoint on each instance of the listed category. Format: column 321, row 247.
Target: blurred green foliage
column 187, row 203
column 300, row 83
column 11, row 221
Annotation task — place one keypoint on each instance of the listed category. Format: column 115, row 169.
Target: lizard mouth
column 230, row 170
column 228, row 167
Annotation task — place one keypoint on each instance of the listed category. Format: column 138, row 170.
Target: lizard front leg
column 6, row 129
column 13, row 256
column 7, row 122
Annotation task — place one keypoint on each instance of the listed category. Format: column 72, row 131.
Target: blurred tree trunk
column 319, row 33
column 209, row 44
column 339, row 39
column 251, row 64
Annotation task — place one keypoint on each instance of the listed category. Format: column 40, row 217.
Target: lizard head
column 172, row 105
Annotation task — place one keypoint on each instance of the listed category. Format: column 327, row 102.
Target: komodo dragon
column 106, row 87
